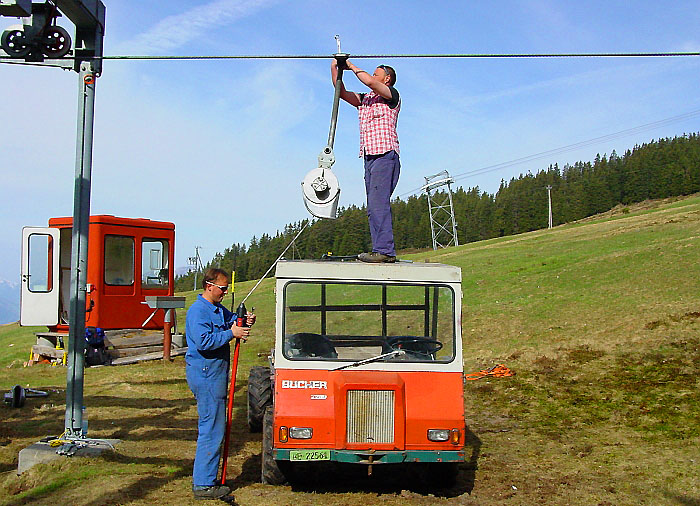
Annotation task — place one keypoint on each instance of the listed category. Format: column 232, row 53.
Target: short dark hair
column 390, row 72
column 211, row 274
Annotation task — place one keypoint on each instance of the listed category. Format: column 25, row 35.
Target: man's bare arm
column 350, row 97
column 370, row 81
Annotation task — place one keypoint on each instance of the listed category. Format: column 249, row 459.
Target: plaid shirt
column 378, row 125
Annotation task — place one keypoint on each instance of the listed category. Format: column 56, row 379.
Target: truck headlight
column 301, row 432
column 438, row 435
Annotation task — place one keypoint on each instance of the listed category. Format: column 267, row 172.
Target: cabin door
column 40, row 273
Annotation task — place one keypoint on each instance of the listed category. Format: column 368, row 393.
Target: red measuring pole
column 240, row 322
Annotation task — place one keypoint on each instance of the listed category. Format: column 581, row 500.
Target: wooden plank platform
column 148, row 356
column 47, row 351
column 124, row 346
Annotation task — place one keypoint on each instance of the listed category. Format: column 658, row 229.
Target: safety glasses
column 222, row 288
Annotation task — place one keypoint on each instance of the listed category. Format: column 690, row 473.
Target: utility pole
column 197, row 262
column 549, row 198
column 443, row 226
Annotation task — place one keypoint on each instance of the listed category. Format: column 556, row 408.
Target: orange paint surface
column 318, row 399
column 121, row 307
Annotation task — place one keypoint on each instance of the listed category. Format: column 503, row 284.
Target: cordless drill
column 241, row 319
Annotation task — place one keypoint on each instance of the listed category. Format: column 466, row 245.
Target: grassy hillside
column 599, row 319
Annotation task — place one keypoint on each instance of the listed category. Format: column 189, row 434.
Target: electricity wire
column 567, row 148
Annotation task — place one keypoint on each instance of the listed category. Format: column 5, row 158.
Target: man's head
column 215, row 284
column 385, row 74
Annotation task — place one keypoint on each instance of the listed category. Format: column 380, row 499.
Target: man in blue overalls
column 209, row 329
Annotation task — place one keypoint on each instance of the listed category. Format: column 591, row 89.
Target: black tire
column 271, row 472
column 259, row 396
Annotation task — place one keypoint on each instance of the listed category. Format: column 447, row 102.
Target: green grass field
column 599, row 319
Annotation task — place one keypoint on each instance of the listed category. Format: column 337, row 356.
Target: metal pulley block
column 321, row 193
column 320, row 187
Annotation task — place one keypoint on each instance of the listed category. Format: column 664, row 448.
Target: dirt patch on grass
column 690, row 316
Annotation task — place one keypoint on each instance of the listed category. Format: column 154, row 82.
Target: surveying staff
column 209, row 329
column 379, row 146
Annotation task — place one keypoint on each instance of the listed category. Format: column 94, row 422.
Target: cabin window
column 40, row 263
column 119, row 260
column 154, row 263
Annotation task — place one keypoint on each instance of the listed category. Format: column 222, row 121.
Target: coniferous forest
column 662, row 168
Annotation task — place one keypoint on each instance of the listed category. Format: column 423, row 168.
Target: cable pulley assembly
column 320, row 187
column 42, row 38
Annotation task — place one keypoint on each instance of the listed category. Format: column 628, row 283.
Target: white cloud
column 179, row 29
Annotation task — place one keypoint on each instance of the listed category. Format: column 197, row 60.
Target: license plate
column 307, row 455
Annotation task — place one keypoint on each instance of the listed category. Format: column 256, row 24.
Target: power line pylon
column 443, row 225
column 196, row 261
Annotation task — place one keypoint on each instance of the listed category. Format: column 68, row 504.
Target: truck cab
column 367, row 369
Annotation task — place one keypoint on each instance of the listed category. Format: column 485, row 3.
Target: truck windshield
column 351, row 322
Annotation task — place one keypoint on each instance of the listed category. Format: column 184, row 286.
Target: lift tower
column 42, row 42
column 443, row 225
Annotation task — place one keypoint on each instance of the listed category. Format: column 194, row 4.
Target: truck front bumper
column 375, row 457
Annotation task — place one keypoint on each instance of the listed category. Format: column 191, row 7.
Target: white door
column 39, row 293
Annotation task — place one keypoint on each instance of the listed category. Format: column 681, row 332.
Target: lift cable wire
column 569, row 147
column 383, row 56
column 415, row 56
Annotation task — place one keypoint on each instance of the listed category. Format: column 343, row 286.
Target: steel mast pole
column 81, row 224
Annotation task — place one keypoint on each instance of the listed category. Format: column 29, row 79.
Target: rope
column 497, row 371
column 384, row 56
column 275, row 262
column 377, row 56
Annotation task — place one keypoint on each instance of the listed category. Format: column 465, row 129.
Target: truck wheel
column 271, row 472
column 259, row 396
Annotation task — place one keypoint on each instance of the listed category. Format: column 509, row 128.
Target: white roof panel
column 356, row 270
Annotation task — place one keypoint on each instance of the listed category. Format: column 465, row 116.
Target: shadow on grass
column 320, row 478
column 151, row 420
column 683, row 499
column 136, row 490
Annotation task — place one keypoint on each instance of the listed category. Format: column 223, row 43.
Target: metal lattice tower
column 443, row 225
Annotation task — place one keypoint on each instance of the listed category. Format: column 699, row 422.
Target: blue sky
column 220, row 147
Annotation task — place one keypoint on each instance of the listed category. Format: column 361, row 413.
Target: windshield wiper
column 391, row 354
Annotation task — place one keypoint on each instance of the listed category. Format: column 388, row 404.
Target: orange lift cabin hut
column 128, row 259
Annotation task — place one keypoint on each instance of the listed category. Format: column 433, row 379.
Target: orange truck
column 367, row 370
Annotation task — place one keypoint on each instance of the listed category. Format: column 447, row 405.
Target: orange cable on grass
column 497, row 371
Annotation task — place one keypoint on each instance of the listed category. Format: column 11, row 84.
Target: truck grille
column 370, row 416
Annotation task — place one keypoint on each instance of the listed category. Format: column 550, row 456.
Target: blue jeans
column 381, row 177
column 208, row 382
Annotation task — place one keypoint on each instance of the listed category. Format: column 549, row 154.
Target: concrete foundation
column 43, row 452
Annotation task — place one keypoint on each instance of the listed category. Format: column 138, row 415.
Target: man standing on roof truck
column 379, row 146
column 209, row 329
